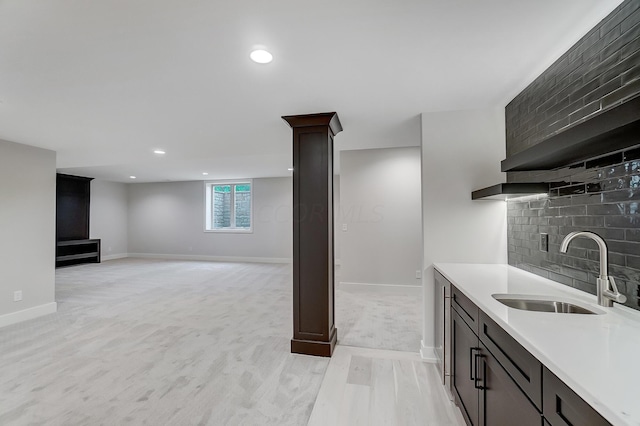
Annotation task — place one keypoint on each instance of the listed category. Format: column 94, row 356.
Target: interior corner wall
column 109, row 218
column 461, row 152
column 167, row 220
column 27, row 231
column 380, row 205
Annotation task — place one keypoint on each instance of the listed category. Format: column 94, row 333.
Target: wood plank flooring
column 139, row 342
column 156, row 342
column 379, row 320
column 379, row 387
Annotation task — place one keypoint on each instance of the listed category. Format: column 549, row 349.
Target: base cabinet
column 562, row 407
column 495, row 381
column 464, row 348
column 483, row 390
column 501, row 401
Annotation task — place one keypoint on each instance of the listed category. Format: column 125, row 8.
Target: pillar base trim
column 314, row 347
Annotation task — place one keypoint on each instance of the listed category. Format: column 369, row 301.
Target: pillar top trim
column 329, row 119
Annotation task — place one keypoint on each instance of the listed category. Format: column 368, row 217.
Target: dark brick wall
column 601, row 196
column 598, row 72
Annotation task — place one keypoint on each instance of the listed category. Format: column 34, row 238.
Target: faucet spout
column 606, row 285
column 602, row 246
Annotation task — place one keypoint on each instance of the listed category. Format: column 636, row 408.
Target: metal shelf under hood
column 504, row 191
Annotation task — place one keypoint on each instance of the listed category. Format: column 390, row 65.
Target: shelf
column 74, row 252
column 75, row 242
column 505, row 191
column 609, row 131
column 76, row 256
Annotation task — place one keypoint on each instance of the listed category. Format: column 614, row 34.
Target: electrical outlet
column 418, row 274
column 17, row 296
column 544, row 242
column 344, row 227
column 108, row 248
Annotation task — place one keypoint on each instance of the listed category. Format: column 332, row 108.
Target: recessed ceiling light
column 159, row 151
column 261, row 56
column 132, row 177
column 290, row 169
column 205, row 173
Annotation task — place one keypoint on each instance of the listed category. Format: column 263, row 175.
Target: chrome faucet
column 607, row 290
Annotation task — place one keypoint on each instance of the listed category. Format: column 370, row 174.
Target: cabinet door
column 465, row 347
column 501, row 400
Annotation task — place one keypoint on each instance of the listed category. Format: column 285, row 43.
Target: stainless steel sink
column 541, row 305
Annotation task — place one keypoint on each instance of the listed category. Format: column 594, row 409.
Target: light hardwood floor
column 379, row 320
column 379, row 387
column 139, row 342
column 155, row 342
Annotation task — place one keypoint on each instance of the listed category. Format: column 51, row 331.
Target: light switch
column 344, row 227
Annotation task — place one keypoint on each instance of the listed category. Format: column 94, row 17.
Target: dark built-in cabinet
column 73, row 200
column 495, row 381
column 77, row 251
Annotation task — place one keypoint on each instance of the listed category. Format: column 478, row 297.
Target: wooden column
column 314, row 331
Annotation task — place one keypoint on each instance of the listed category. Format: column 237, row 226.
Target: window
column 228, row 206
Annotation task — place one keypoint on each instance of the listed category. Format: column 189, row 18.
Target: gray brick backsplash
column 601, row 195
column 598, row 72
column 617, row 221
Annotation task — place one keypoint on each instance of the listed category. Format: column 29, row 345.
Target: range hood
column 505, row 191
column 606, row 132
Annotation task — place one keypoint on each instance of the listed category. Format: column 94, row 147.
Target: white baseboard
column 113, row 257
column 27, row 314
column 427, row 353
column 210, row 258
column 413, row 290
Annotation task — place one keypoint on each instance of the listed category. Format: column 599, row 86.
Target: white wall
column 27, row 231
column 109, row 217
column 461, row 152
column 168, row 219
column 380, row 204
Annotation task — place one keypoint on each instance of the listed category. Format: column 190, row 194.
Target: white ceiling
column 104, row 83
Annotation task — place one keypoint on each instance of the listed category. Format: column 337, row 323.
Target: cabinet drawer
column 465, row 307
column 562, row 407
column 523, row 367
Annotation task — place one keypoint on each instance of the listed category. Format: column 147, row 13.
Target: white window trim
column 208, row 184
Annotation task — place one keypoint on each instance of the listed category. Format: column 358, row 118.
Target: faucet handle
column 614, row 295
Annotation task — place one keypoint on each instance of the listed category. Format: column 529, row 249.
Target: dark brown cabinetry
column 73, row 198
column 496, row 381
column 562, row 407
column 483, row 390
column 501, row 401
column 464, row 344
column 523, row 368
column 77, row 251
column 466, row 308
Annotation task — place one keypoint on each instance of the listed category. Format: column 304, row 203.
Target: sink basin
column 541, row 305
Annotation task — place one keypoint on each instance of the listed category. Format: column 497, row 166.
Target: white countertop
column 598, row 356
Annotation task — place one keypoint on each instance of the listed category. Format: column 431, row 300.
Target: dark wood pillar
column 314, row 331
